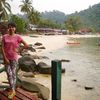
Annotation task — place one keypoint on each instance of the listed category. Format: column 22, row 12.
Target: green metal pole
column 56, row 80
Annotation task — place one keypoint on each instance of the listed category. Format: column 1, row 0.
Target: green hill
column 90, row 17
column 54, row 15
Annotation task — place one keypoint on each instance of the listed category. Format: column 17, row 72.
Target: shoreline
column 83, row 36
column 51, row 43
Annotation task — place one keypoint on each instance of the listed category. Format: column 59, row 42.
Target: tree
column 73, row 23
column 33, row 16
column 20, row 23
column 46, row 23
column 5, row 8
column 26, row 6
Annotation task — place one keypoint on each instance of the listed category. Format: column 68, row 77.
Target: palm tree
column 26, row 6
column 34, row 16
column 5, row 8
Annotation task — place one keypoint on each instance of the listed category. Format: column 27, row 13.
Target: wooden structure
column 25, row 95
column 20, row 95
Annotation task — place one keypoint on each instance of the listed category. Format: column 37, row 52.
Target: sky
column 66, row 6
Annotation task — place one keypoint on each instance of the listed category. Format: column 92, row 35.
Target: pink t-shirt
column 11, row 44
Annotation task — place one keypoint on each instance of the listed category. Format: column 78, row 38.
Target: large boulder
column 30, row 47
column 26, row 63
column 44, row 68
column 38, row 44
column 32, row 86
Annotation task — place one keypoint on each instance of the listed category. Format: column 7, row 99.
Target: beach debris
column 41, row 47
column 88, row 88
column 65, row 60
column 74, row 80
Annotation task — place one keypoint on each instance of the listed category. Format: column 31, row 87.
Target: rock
column 63, row 70
column 88, row 88
column 43, row 57
column 2, row 69
column 38, row 43
column 32, row 86
column 41, row 47
column 1, row 57
column 35, row 57
column 64, row 60
column 43, row 68
column 24, row 54
column 31, row 48
column 28, row 74
column 26, row 63
column 74, row 80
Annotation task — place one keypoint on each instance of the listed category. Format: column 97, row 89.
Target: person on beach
column 10, row 44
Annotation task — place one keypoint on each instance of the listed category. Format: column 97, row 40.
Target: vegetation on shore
column 86, row 19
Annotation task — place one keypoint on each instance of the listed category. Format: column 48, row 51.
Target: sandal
column 11, row 95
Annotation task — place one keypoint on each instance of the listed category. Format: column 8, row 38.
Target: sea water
column 81, row 80
column 83, row 70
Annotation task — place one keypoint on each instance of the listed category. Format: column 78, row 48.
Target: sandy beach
column 51, row 43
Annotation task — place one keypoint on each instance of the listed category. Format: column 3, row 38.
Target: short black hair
column 11, row 24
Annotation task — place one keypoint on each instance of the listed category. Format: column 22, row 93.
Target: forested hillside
column 90, row 17
column 55, row 15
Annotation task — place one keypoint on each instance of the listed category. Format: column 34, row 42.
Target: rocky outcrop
column 32, row 86
column 38, row 43
column 26, row 63
column 44, row 68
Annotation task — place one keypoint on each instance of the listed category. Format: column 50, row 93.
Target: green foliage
column 54, row 19
column 34, row 16
column 26, row 6
column 55, row 16
column 20, row 23
column 88, row 18
column 5, row 8
column 91, row 17
column 73, row 23
column 48, row 24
